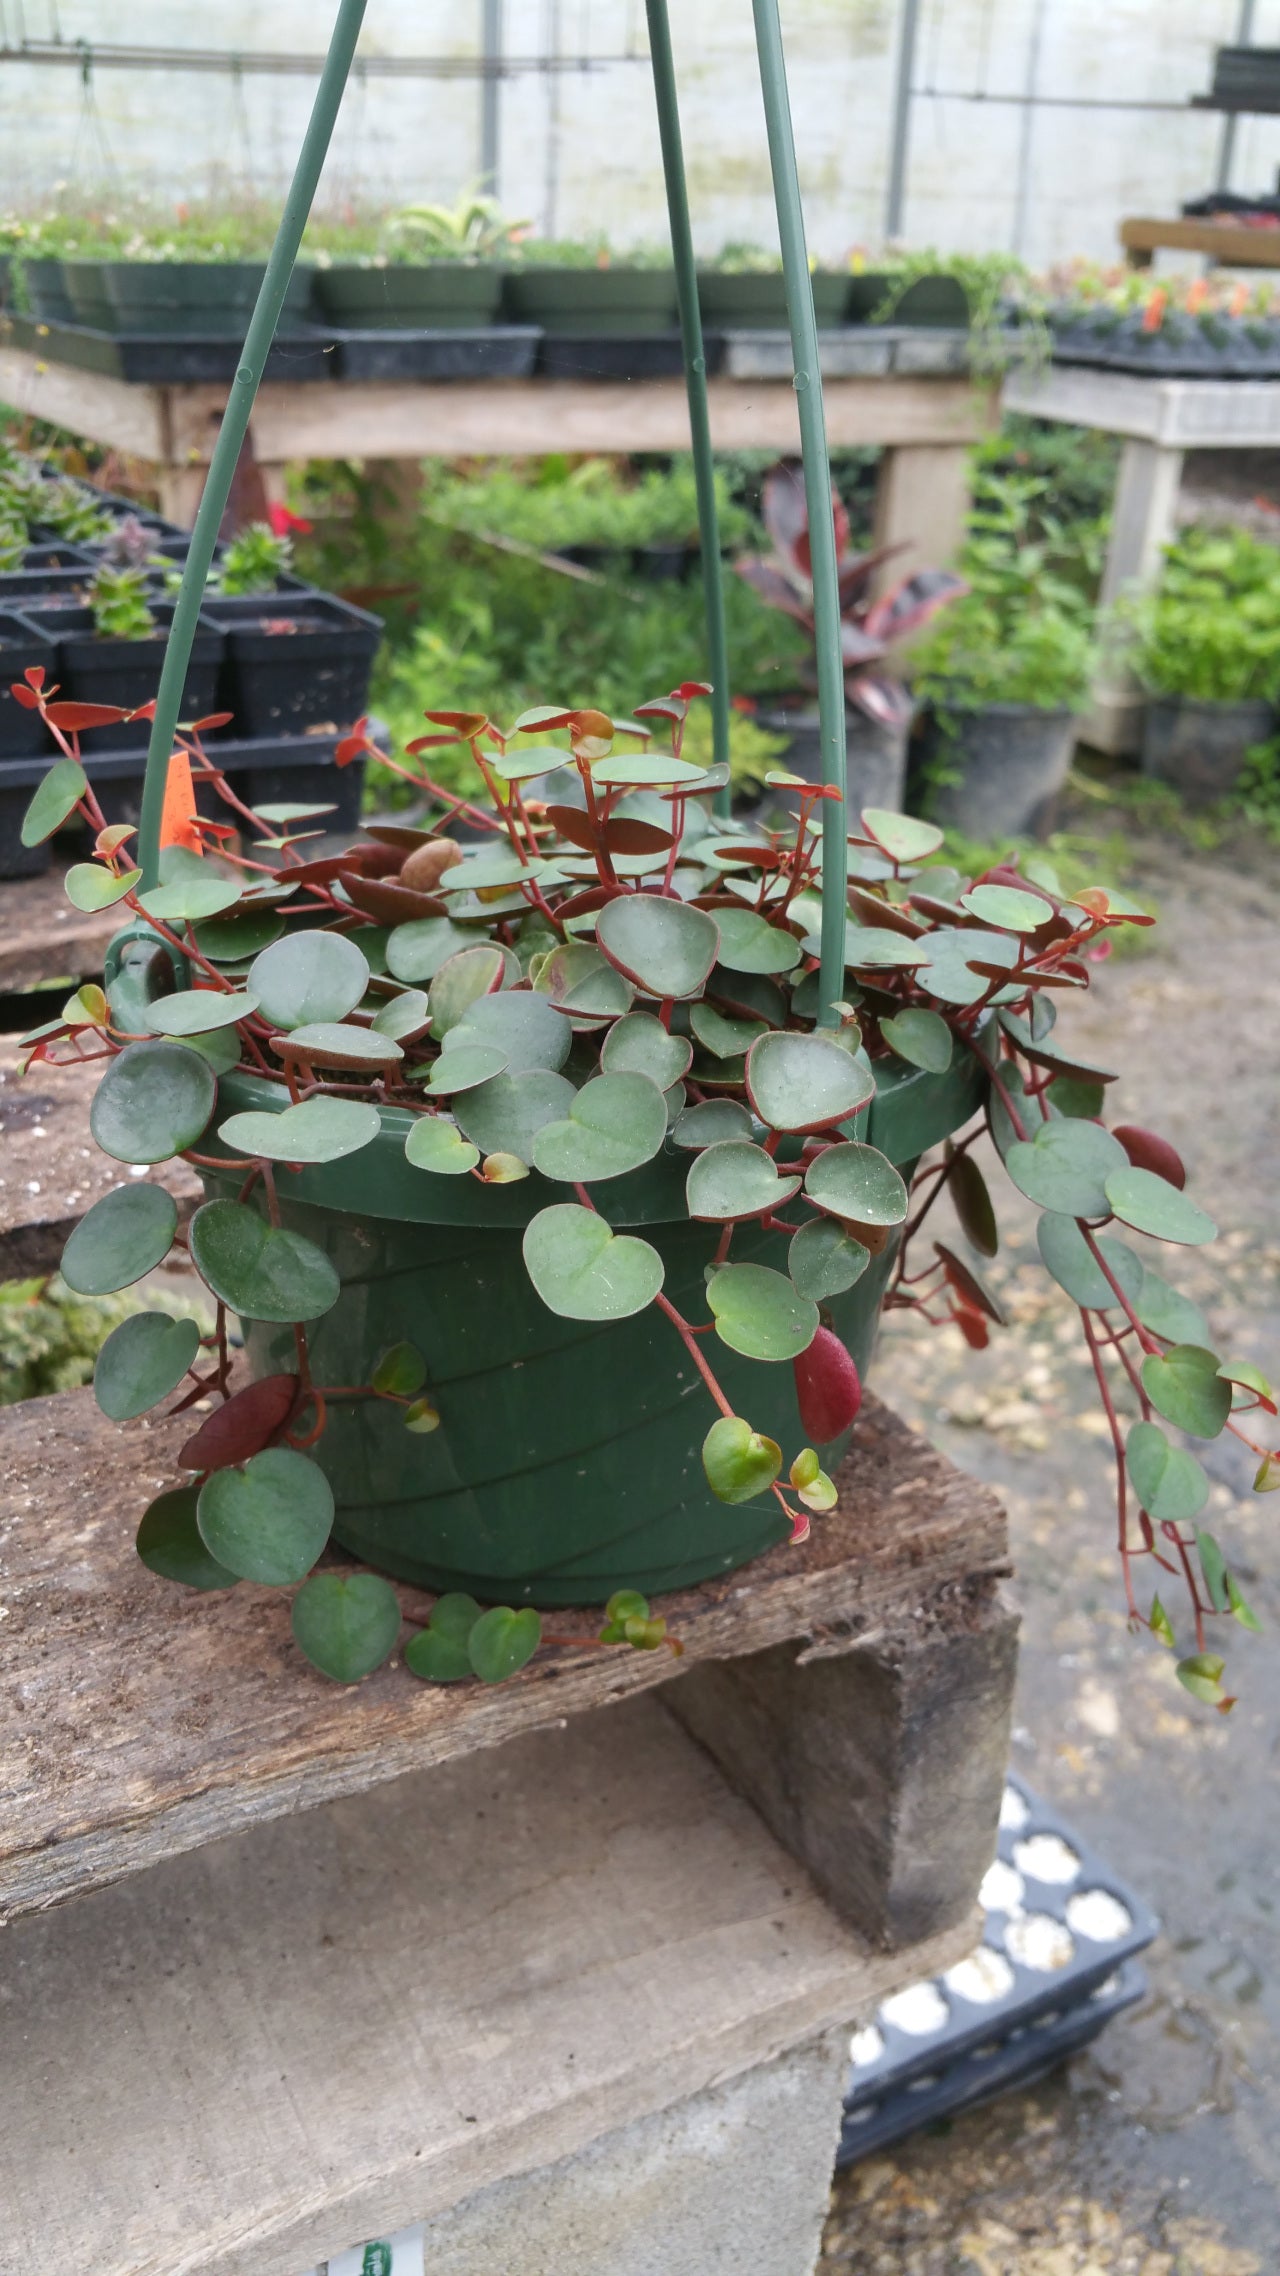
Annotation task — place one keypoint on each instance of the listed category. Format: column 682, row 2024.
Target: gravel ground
column 1155, row 2153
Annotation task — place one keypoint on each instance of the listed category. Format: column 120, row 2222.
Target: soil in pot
column 1008, row 762
column 757, row 299
column 875, row 756
column 1200, row 748
column 410, row 297
column 616, row 301
column 195, row 298
column 567, row 1462
column 94, row 669
column 295, row 664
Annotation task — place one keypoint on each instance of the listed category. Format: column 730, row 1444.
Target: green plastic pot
column 615, row 302
column 194, row 298
column 757, row 299
column 410, row 296
column 86, row 286
column 567, row 1463
column 46, row 291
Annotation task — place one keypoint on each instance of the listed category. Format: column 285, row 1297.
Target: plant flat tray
column 166, row 360
column 639, row 355
column 501, row 351
column 153, row 1720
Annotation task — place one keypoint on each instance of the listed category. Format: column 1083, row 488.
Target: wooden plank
column 144, row 1720
column 130, row 417
column 43, row 938
column 1177, row 414
column 50, row 1169
column 385, row 419
column 241, row 2063
column 1229, row 242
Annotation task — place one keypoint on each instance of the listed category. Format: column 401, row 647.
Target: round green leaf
column 759, row 1313
column 437, row 1657
column 920, row 1037
column 90, row 887
column 142, row 1361
column 749, row 943
column 902, row 836
column 123, row 1236
column 518, row 1023
column 230, row 940
column 615, row 1123
column 346, row 1624
column 154, row 1099
column 871, row 948
column 640, row 1045
column 583, row 1270
column 710, row 1121
column 1151, row 1205
column 504, row 1116
column 169, row 1543
column 188, row 899
column 858, row 1183
column 466, row 1067
column 416, row 951
column 317, row 1130
column 739, row 1462
column 481, row 872
column 1185, row 1387
column 1072, row 1095
column 463, row 978
column 436, row 1145
column 1168, row 1313
column 804, row 1082
column 823, row 1260
column 1066, row 1255
column 649, row 771
column 309, row 976
column 1006, row 907
column 948, row 973
column 664, row 947
column 56, row 798
column 724, row 1038
column 1201, row 1674
column 262, row 1271
column 1068, row 1167
column 735, row 1180
column 502, row 1641
column 268, row 1521
column 583, row 983
column 201, row 1011
column 401, row 1370
column 1169, row 1483
column 403, row 1016
column 336, row 1043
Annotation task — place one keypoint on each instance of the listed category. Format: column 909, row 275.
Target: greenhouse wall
column 1001, row 91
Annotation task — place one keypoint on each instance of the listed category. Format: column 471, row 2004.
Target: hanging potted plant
column 879, row 706
column 1209, row 657
column 435, row 267
column 1006, row 673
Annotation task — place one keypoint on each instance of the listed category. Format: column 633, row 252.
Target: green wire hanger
column 813, row 439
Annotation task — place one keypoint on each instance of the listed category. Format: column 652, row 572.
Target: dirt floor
column 1157, row 2153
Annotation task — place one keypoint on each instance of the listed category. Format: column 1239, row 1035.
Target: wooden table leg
column 1143, row 521
column 880, row 1765
column 922, row 502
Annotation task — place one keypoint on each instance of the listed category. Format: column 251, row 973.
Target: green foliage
column 120, row 600
column 1211, row 631
column 600, row 502
column 254, row 561
column 50, row 1336
column 475, row 229
column 1024, row 631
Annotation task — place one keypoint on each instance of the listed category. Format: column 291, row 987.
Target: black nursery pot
column 1200, row 748
column 1007, row 763
column 294, row 663
column 875, row 756
column 96, row 669
column 22, row 644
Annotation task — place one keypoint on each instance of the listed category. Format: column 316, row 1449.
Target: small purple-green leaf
column 663, row 946
column 583, row 1270
column 858, row 1183
column 733, row 1181
column 804, row 1082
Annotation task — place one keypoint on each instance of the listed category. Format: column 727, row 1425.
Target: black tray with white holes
column 495, row 351
column 1059, row 1925
column 1018, row 2059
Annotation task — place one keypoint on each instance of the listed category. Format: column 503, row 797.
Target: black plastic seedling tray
column 163, row 360
column 499, row 351
column 636, row 355
column 280, row 682
column 1059, row 1925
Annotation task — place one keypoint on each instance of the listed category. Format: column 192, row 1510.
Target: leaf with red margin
column 468, row 723
column 248, row 1422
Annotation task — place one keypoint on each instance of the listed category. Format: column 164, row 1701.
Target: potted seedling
column 1006, row 672
column 556, row 1226
column 294, row 662
column 110, row 651
column 435, row 267
column 878, row 704
column 1209, row 656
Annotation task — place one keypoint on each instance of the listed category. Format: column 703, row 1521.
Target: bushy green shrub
column 1024, row 631
column 1211, row 631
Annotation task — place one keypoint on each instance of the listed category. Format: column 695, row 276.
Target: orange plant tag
column 178, row 814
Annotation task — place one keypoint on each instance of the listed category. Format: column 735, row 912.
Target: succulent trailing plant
column 869, row 627
column 605, row 976
column 121, row 603
column 254, row 561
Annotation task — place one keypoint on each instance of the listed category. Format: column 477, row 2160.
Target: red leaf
column 24, row 696
column 1148, row 1152
column 972, row 1325
column 248, row 1422
column 827, row 1387
column 285, row 524
column 34, row 675
column 688, row 689
column 427, row 743
column 467, row 722
column 71, row 717
column 198, row 726
column 144, row 710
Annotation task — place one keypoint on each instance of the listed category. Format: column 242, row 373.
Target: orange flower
column 1197, row 294
column 1153, row 313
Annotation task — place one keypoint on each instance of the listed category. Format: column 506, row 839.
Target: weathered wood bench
column 510, row 1962
column 42, row 938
